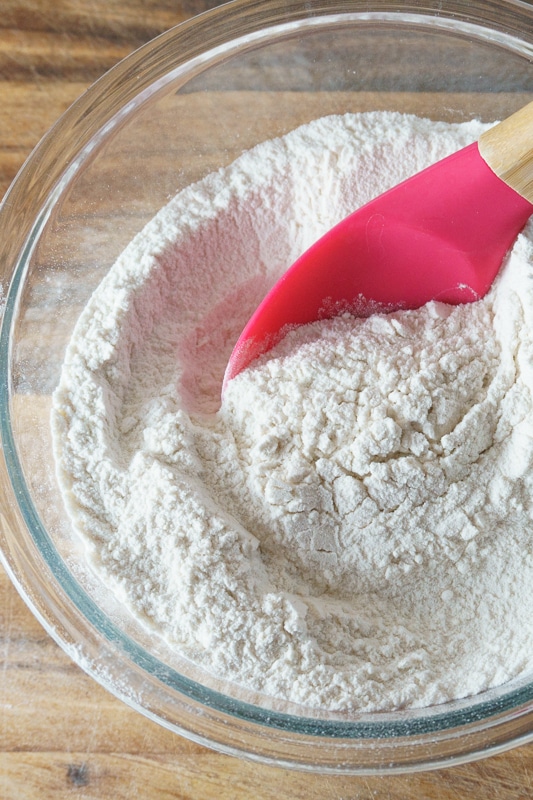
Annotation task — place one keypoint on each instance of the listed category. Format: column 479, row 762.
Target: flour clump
column 351, row 529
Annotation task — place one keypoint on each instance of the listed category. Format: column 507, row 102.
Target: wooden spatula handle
column 508, row 150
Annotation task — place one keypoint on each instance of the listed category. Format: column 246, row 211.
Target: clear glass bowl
column 180, row 107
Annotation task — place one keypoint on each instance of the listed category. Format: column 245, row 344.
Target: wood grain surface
column 61, row 735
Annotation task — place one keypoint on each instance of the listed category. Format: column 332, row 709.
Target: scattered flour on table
column 352, row 528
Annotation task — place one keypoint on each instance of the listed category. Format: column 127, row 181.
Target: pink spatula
column 441, row 235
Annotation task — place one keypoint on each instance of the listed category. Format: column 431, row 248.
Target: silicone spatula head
column 440, row 235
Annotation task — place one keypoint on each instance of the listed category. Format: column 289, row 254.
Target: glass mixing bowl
column 186, row 104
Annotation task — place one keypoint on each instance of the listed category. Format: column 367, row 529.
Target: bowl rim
column 486, row 723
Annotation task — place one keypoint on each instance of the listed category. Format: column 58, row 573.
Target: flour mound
column 352, row 528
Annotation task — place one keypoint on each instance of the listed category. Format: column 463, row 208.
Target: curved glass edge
column 140, row 73
column 85, row 606
column 87, row 121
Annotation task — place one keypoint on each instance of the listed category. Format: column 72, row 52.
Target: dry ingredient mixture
column 352, row 528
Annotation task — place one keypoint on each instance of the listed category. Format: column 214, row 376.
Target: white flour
column 352, row 529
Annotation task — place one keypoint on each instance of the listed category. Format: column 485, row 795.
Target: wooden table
column 61, row 735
